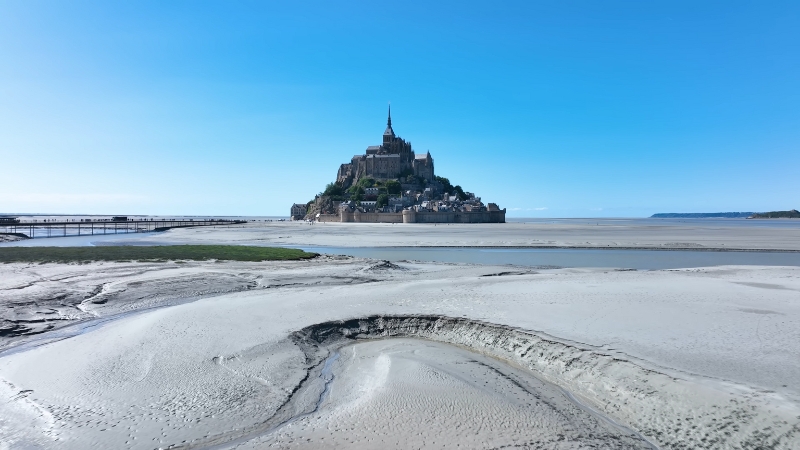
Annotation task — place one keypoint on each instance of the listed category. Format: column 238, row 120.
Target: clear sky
column 551, row 109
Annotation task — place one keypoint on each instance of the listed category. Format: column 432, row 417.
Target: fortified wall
column 411, row 216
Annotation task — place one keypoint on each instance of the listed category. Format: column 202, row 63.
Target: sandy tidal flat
column 655, row 235
column 701, row 358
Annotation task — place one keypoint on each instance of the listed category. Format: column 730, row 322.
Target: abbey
column 389, row 183
column 392, row 159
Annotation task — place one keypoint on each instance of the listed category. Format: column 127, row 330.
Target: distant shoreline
column 791, row 214
column 718, row 215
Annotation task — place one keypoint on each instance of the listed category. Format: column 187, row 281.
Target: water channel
column 530, row 257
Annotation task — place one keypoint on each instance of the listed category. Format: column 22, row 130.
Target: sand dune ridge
column 669, row 411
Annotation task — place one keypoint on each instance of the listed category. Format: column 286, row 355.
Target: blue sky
column 551, row 109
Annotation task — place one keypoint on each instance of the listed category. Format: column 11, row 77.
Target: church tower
column 388, row 135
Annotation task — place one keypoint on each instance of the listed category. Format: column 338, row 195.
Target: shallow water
column 86, row 240
column 641, row 259
column 561, row 257
column 714, row 222
column 530, row 257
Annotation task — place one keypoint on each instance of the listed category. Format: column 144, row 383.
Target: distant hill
column 726, row 215
column 793, row 214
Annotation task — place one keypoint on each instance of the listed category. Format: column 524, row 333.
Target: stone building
column 393, row 158
column 298, row 211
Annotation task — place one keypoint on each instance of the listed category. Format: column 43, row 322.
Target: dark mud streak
column 316, row 368
column 503, row 274
column 764, row 286
column 24, row 286
column 14, row 333
column 96, row 291
column 384, row 266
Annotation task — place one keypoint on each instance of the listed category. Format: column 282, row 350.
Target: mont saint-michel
column 390, row 183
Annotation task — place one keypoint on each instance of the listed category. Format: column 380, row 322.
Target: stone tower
column 388, row 135
column 386, row 161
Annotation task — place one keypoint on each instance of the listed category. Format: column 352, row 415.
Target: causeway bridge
column 35, row 229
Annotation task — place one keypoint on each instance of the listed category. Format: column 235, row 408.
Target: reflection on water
column 631, row 259
column 86, row 240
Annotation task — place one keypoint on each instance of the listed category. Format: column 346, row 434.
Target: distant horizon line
column 288, row 216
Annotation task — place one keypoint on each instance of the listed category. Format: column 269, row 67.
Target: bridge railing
column 36, row 229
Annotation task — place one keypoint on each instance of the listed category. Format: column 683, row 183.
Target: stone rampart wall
column 461, row 217
column 417, row 217
column 329, row 218
column 371, row 217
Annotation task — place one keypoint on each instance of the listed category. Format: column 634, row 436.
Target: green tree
column 383, row 200
column 445, row 184
column 460, row 193
column 357, row 193
column 366, row 182
column 393, row 187
column 333, row 190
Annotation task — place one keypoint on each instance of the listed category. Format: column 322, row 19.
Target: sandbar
column 622, row 235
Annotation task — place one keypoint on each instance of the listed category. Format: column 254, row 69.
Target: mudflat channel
column 562, row 257
column 415, row 393
column 639, row 259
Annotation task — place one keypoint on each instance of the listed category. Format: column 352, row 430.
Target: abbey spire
column 389, row 131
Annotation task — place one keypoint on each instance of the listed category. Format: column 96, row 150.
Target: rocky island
column 389, row 183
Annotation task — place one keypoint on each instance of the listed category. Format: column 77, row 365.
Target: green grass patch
column 150, row 253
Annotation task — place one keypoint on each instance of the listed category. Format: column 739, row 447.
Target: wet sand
column 695, row 358
column 412, row 393
column 9, row 238
column 692, row 236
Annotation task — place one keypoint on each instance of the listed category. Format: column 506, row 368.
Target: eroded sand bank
column 700, row 358
column 413, row 393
